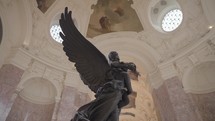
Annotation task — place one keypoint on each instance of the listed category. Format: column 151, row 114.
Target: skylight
column 54, row 31
column 172, row 20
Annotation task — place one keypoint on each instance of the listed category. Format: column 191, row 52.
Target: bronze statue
column 109, row 81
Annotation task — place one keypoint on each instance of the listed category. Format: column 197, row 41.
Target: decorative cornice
column 167, row 71
column 205, row 38
column 22, row 53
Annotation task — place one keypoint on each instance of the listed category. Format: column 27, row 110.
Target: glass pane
column 172, row 20
column 55, row 33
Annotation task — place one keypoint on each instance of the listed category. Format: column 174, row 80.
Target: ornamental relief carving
column 38, row 69
column 192, row 30
column 201, row 54
column 211, row 43
column 182, row 65
column 206, row 53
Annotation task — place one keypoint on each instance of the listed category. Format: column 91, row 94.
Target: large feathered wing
column 89, row 61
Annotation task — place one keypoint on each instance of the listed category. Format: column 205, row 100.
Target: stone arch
column 35, row 101
column 38, row 90
column 129, row 47
column 24, row 81
column 21, row 14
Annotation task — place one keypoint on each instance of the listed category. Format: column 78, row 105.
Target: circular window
column 172, row 20
column 55, row 33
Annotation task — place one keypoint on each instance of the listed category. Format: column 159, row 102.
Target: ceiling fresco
column 44, row 5
column 112, row 16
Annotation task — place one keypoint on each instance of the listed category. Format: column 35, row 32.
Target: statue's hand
column 132, row 66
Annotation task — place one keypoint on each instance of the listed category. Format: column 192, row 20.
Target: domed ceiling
column 111, row 19
column 122, row 21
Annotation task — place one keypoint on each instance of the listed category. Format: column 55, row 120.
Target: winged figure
column 107, row 79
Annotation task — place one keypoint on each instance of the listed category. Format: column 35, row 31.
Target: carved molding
column 168, row 71
column 34, row 68
column 179, row 65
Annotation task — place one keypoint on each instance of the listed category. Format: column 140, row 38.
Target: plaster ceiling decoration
column 112, row 16
column 44, row 5
column 165, row 15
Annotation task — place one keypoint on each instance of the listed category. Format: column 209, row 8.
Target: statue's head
column 113, row 56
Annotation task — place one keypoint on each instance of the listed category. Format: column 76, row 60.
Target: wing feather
column 89, row 61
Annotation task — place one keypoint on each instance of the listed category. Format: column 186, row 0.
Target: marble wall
column 10, row 76
column 206, row 105
column 70, row 102
column 174, row 104
column 171, row 102
column 23, row 110
column 163, row 104
column 183, row 106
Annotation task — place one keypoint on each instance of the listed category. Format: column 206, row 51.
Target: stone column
column 56, row 108
column 10, row 76
column 10, row 103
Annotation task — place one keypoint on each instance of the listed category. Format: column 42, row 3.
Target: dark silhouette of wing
column 89, row 61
